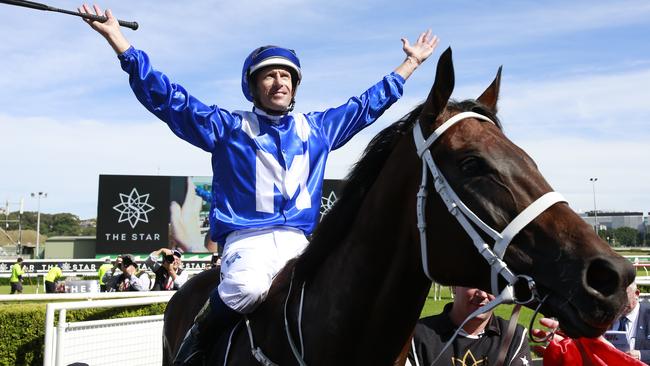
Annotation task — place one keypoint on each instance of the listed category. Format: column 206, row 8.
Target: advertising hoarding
column 140, row 214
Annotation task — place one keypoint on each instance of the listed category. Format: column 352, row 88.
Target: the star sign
column 133, row 208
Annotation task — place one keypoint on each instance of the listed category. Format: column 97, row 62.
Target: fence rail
column 84, row 296
column 90, row 340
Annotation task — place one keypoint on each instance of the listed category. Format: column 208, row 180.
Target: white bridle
column 464, row 215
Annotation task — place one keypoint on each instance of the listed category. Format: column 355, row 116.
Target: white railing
column 85, row 296
column 104, row 342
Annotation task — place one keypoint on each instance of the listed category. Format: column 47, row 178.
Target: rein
column 298, row 355
column 465, row 216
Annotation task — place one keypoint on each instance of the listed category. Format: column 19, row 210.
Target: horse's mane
column 333, row 229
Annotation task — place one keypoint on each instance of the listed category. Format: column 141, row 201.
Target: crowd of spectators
column 126, row 274
column 162, row 270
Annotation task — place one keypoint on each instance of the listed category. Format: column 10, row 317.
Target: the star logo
column 133, row 208
column 467, row 360
column 326, row 203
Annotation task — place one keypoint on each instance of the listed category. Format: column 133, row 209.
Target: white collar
column 463, row 333
column 274, row 118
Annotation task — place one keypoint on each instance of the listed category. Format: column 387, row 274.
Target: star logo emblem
column 468, row 360
column 326, row 203
column 133, row 208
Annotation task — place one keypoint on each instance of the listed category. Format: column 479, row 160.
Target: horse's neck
column 375, row 285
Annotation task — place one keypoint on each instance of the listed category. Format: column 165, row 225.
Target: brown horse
column 354, row 296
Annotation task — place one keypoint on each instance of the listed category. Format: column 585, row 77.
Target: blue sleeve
column 341, row 123
column 190, row 119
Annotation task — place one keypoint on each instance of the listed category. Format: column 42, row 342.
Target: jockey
column 268, row 164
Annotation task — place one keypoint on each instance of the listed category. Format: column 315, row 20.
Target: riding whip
column 39, row 6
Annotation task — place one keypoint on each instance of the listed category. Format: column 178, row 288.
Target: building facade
column 614, row 220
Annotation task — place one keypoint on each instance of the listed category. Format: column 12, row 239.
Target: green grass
column 641, row 271
column 27, row 289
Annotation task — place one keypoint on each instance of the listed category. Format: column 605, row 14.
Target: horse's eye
column 470, row 166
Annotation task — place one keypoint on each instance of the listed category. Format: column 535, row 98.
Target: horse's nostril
column 603, row 277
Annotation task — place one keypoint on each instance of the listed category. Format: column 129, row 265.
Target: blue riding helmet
column 269, row 56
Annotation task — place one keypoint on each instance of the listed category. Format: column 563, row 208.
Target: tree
column 66, row 224
column 604, row 234
column 626, row 236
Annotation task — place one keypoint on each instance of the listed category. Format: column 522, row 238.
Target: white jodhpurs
column 251, row 259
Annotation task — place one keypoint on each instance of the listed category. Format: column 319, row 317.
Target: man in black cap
column 169, row 274
column 131, row 278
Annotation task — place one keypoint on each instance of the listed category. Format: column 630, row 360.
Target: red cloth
column 586, row 352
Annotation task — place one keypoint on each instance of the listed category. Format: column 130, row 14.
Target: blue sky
column 575, row 90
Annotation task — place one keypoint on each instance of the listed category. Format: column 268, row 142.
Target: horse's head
column 585, row 280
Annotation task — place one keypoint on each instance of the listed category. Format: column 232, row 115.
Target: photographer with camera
column 169, row 274
column 128, row 277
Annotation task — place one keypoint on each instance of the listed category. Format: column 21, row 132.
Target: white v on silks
column 251, row 259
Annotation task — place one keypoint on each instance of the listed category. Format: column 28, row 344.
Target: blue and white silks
column 267, row 170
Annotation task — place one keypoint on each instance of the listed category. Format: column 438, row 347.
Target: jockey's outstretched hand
column 422, row 48
column 416, row 53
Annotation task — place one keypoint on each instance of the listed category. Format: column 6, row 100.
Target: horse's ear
column 491, row 94
column 441, row 89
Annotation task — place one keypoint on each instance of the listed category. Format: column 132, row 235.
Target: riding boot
column 210, row 323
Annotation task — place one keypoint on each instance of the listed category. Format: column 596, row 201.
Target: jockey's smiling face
column 274, row 87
